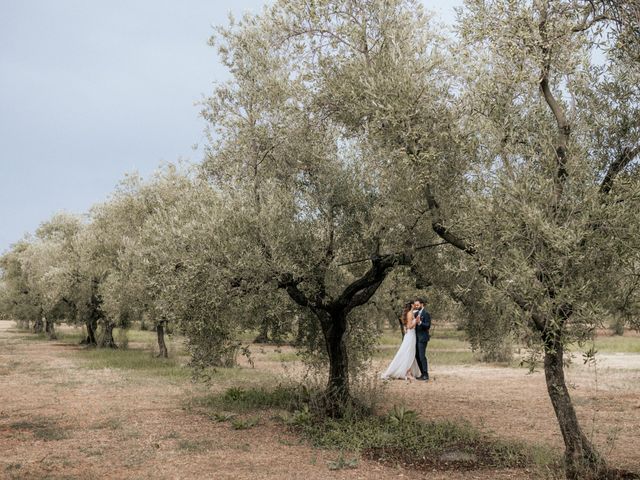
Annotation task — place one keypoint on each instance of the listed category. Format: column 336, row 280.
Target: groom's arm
column 425, row 320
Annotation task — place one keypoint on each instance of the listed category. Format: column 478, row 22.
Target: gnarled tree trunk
column 334, row 328
column 162, row 346
column 107, row 340
column 49, row 328
column 95, row 314
column 263, row 335
column 38, row 325
column 333, row 313
column 582, row 461
column 90, row 339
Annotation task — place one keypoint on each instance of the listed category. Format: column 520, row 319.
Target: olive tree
column 18, row 301
column 126, row 288
column 39, row 274
column 309, row 194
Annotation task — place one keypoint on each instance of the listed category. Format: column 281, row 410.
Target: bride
column 404, row 364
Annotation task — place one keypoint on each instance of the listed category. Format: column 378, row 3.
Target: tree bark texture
column 582, row 461
column 107, row 340
column 334, row 327
column 50, row 330
column 38, row 325
column 90, row 339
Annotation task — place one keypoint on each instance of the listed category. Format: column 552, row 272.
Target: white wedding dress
column 405, row 358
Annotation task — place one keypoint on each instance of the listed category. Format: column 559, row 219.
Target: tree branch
column 421, row 247
column 361, row 290
column 287, row 282
column 618, row 165
column 438, row 226
column 564, row 128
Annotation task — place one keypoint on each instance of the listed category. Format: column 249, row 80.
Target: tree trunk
column 338, row 395
column 90, row 339
column 38, row 326
column 107, row 338
column 162, row 347
column 582, row 461
column 49, row 328
column 263, row 335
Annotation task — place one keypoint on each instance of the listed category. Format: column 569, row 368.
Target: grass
column 446, row 347
column 109, row 423
column 443, row 351
column 242, row 400
column 617, row 343
column 66, row 336
column 283, row 357
column 41, row 428
column 403, row 438
column 139, row 361
column 244, row 423
column 148, row 337
column 194, row 446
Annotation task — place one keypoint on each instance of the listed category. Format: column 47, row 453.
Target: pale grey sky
column 93, row 89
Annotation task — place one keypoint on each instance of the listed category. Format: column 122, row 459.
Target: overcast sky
column 93, row 89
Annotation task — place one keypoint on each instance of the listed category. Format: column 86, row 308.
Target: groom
column 422, row 337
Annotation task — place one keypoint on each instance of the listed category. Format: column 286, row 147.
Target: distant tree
column 116, row 293
column 38, row 274
column 131, row 289
column 18, row 302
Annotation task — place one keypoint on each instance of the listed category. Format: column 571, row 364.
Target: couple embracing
column 411, row 358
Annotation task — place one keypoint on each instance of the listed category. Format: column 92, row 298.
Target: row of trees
column 355, row 144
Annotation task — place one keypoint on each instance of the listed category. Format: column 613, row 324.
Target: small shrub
column 342, row 463
column 400, row 415
column 222, row 417
column 245, row 424
column 194, row 445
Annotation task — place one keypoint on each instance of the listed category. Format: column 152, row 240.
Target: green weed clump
column 242, row 400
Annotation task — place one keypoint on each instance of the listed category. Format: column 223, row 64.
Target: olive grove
column 358, row 153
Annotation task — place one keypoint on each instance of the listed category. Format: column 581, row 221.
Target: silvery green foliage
column 125, row 291
column 543, row 225
column 192, row 254
column 487, row 153
column 17, row 301
column 48, row 264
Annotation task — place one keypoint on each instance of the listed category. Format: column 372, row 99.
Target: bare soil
column 61, row 420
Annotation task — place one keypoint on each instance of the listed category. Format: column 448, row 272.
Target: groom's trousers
column 421, row 355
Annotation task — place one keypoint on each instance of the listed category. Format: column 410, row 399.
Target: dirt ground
column 59, row 420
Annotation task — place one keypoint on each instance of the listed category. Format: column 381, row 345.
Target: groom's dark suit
column 422, row 338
